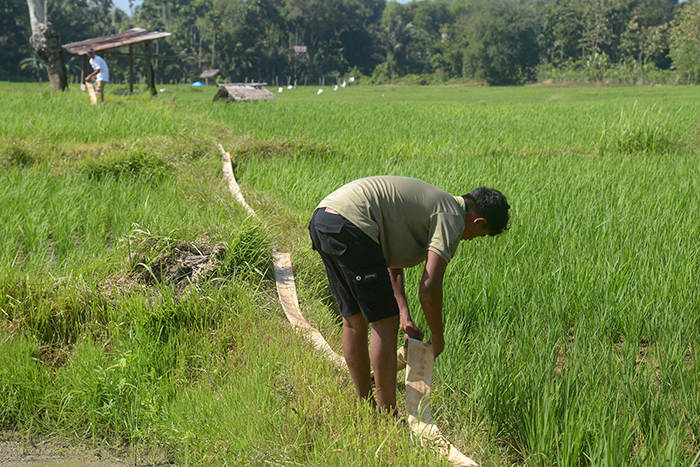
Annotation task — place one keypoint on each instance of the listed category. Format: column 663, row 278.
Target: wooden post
column 82, row 72
column 131, row 69
column 150, row 79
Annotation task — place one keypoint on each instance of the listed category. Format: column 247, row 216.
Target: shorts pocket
column 373, row 286
column 330, row 237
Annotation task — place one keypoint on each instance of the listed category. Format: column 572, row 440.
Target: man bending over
column 367, row 232
column 100, row 74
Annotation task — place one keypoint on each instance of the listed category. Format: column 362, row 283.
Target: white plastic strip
column 415, row 356
column 284, row 276
column 233, row 186
column 91, row 92
column 419, row 374
column 287, row 291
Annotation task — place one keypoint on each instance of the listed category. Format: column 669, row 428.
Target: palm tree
column 35, row 66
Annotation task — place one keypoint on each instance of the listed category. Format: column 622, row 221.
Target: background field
column 572, row 339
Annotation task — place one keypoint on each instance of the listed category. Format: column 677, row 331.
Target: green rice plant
column 57, row 317
column 14, row 153
column 652, row 132
column 46, row 216
column 34, row 117
column 248, row 253
column 613, row 443
column 232, row 401
column 23, row 383
column 141, row 165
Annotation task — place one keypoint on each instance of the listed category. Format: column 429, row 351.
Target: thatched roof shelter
column 209, row 73
column 206, row 74
column 105, row 44
column 243, row 92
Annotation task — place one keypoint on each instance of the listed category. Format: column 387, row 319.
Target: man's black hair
column 491, row 205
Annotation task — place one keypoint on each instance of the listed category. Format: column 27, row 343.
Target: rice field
column 571, row 339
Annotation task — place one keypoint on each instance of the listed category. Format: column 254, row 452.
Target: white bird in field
column 290, row 86
column 335, row 88
column 352, row 79
column 279, row 90
column 343, row 85
column 319, row 91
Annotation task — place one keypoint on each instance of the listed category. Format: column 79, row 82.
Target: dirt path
column 40, row 453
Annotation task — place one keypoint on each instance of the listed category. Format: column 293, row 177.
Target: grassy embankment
column 572, row 339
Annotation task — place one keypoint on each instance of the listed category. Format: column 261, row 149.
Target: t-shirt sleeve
column 444, row 234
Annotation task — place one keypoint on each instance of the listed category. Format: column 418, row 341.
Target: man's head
column 91, row 52
column 487, row 213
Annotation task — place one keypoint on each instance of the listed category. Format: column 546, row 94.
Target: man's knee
column 387, row 327
column 355, row 322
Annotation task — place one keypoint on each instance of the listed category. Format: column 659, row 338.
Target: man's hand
column 438, row 344
column 408, row 327
column 411, row 330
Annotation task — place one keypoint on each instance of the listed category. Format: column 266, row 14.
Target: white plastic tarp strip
column 419, row 374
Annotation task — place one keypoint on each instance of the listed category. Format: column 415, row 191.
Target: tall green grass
column 571, row 339
column 202, row 372
column 574, row 335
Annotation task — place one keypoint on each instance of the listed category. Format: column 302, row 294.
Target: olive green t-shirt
column 406, row 216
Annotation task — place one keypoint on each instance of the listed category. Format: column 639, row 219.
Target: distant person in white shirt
column 101, row 73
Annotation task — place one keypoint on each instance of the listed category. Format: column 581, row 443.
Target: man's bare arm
column 408, row 327
column 89, row 77
column 430, row 292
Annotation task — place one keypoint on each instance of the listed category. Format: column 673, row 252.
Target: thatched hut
column 243, row 92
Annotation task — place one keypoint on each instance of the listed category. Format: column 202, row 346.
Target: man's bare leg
column 383, row 355
column 356, row 353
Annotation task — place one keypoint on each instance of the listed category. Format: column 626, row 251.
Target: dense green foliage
column 423, row 41
column 685, row 39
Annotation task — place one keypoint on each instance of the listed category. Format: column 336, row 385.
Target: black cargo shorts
column 355, row 266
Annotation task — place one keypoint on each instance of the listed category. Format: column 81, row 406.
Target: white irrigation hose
column 287, row 291
column 419, row 374
column 233, row 186
column 284, row 276
column 415, row 356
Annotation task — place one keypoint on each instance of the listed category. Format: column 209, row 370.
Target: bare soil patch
column 18, row 452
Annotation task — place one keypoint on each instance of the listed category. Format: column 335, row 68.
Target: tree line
column 424, row 41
